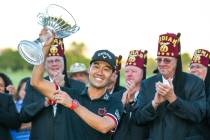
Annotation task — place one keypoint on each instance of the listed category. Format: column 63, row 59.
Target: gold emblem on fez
column 132, row 58
column 53, row 50
column 164, row 47
column 196, row 57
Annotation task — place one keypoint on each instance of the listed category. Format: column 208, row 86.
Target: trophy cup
column 57, row 20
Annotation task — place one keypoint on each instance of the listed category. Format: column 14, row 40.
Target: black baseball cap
column 106, row 56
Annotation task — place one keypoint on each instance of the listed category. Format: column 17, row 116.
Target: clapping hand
column 129, row 94
column 166, row 90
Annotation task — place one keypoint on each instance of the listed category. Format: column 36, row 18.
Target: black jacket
column 175, row 121
column 45, row 126
column 9, row 118
column 204, row 126
column 128, row 129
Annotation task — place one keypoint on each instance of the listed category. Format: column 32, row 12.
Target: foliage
column 11, row 59
column 185, row 61
column 76, row 53
column 17, row 75
column 151, row 66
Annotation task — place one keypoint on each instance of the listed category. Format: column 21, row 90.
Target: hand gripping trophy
column 57, row 20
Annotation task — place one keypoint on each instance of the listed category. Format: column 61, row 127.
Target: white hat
column 78, row 67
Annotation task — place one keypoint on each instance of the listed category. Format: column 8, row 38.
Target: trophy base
column 31, row 52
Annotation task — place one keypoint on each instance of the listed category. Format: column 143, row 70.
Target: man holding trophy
column 46, row 116
column 93, row 110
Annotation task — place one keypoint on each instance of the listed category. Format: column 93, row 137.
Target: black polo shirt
column 106, row 105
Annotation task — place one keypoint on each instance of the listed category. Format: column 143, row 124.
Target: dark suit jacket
column 118, row 92
column 175, row 121
column 45, row 126
column 204, row 126
column 9, row 118
column 128, row 129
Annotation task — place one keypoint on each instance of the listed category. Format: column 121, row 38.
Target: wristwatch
column 74, row 104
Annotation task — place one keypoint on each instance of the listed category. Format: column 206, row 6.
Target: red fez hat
column 201, row 56
column 169, row 45
column 137, row 58
column 57, row 48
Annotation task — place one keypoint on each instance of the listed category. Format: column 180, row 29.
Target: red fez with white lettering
column 137, row 58
column 201, row 56
column 169, row 45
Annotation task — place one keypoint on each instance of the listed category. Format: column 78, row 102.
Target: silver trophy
column 57, row 20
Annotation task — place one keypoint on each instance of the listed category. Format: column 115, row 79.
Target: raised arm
column 47, row 88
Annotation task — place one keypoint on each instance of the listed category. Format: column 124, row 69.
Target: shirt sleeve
column 115, row 110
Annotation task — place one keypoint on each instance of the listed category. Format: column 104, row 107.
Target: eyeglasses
column 51, row 61
column 196, row 66
column 164, row 60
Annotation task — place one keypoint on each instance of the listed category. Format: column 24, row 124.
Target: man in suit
column 48, row 118
column 9, row 118
column 171, row 102
column 135, row 72
column 200, row 67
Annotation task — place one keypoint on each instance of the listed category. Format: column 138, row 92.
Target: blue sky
column 117, row 25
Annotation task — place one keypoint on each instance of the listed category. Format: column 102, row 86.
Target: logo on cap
column 104, row 55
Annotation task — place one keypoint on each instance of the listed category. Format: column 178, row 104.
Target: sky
column 117, row 25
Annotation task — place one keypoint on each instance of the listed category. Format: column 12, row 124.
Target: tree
column 11, row 59
column 185, row 61
column 151, row 66
column 76, row 53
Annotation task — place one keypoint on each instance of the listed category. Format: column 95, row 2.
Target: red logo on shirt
column 102, row 111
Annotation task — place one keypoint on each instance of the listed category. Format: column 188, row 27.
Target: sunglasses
column 164, row 60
